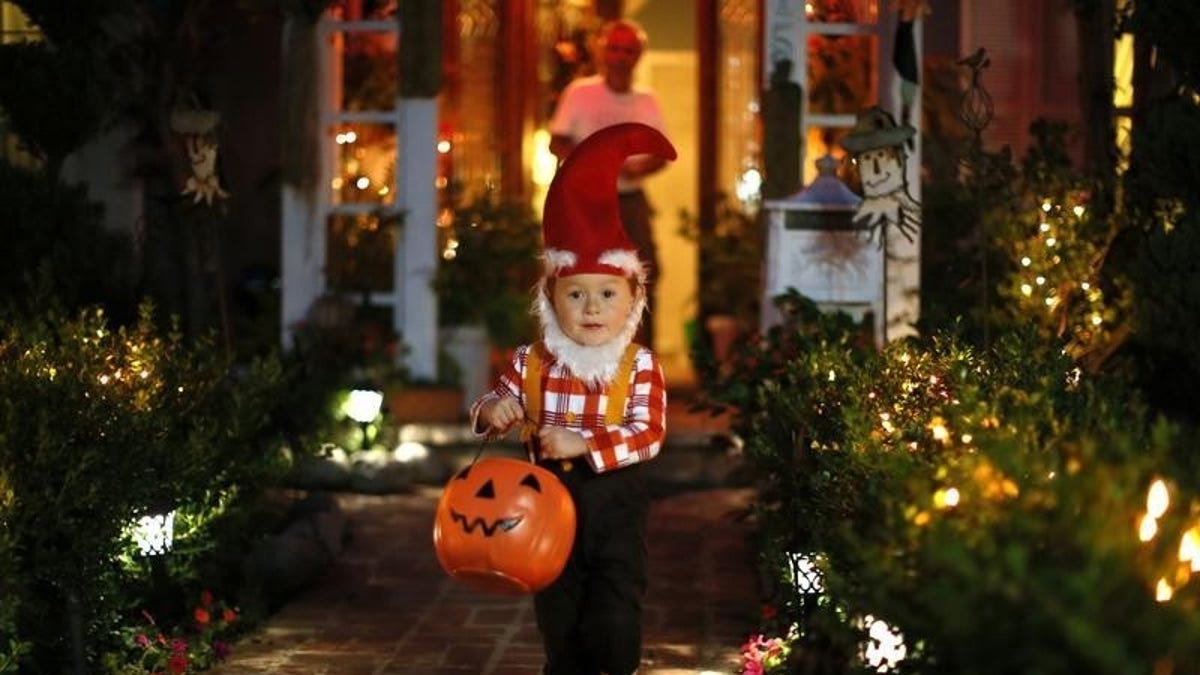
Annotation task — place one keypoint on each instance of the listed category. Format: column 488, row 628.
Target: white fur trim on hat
column 624, row 260
column 557, row 259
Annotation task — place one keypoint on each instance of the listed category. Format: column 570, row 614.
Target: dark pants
column 636, row 214
column 591, row 616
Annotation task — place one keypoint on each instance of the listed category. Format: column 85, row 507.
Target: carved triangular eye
column 466, row 470
column 487, row 491
column 531, row 481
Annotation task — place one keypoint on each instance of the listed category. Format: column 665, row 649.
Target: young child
column 591, row 405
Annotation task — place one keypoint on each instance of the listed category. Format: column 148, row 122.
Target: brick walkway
column 386, row 607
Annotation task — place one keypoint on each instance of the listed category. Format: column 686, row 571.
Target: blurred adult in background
column 591, row 103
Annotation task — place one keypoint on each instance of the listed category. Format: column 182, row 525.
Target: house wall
column 1034, row 51
column 249, row 57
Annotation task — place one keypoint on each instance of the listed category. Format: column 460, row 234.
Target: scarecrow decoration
column 203, row 184
column 196, row 127
column 877, row 147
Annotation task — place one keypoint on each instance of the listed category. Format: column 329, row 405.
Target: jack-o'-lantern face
column 504, row 525
column 881, row 170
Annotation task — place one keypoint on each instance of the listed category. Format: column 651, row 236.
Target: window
column 359, row 118
column 14, row 27
column 739, row 170
column 841, row 64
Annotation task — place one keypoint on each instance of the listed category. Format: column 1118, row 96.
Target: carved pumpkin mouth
column 470, row 524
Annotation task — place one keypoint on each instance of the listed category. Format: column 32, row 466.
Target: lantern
column 362, row 406
column 808, row 584
column 504, row 526
column 154, row 534
column 815, row 247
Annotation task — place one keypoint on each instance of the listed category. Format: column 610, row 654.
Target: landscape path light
column 363, row 407
column 808, row 583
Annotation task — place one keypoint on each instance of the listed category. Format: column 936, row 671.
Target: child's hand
column 560, row 443
column 502, row 413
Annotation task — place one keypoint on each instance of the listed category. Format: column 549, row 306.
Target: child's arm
column 561, row 443
column 494, row 413
column 640, row 436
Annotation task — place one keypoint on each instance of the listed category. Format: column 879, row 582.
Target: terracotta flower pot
column 429, row 405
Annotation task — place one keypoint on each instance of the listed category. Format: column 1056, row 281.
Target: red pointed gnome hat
column 581, row 223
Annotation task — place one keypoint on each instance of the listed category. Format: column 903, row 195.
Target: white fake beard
column 597, row 364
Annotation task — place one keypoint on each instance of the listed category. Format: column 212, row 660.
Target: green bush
column 490, row 265
column 731, row 255
column 1166, row 284
column 986, row 504
column 99, row 426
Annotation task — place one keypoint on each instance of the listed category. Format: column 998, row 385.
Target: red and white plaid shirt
column 568, row 402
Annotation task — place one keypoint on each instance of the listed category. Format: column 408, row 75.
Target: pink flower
column 774, row 647
column 179, row 646
column 142, row 640
column 760, row 653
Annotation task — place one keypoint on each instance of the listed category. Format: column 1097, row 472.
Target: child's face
column 592, row 308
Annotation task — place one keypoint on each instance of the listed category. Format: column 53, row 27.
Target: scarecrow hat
column 875, row 128
column 581, row 223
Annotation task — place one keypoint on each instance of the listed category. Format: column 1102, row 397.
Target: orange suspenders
column 531, row 385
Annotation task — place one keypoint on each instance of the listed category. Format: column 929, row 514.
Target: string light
column 1157, row 499
column 1056, row 263
column 1163, row 591
column 1187, row 547
column 946, row 498
column 1147, row 528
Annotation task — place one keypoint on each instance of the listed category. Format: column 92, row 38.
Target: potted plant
column 489, row 265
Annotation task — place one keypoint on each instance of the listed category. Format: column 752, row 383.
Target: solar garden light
column 154, row 534
column 807, row 577
column 808, row 582
column 363, row 407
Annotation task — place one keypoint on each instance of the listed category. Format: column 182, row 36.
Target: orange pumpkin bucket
column 504, row 526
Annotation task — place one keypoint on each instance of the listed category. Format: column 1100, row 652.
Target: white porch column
column 903, row 284
column 303, row 254
column 415, row 317
column 302, row 239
